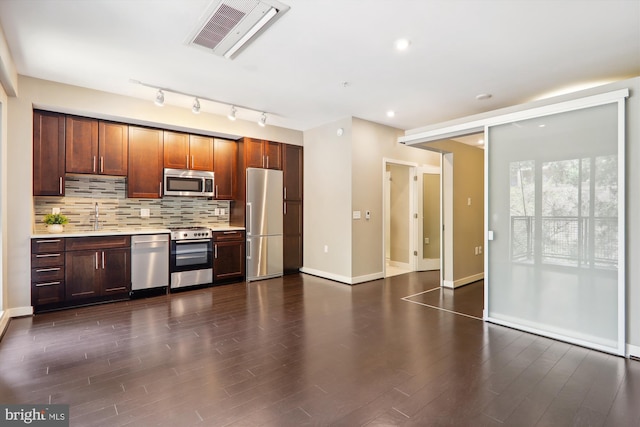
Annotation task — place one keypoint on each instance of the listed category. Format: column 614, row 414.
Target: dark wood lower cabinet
column 292, row 239
column 97, row 267
column 228, row 256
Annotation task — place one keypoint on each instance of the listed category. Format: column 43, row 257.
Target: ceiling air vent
column 231, row 24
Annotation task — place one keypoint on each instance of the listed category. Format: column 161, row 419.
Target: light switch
column 426, row 240
column 356, row 215
column 468, row 201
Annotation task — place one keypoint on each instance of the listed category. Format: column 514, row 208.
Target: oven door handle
column 180, row 242
column 188, row 256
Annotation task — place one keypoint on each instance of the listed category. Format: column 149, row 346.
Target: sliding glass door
column 555, row 219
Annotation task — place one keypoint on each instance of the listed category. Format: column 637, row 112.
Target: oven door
column 188, row 255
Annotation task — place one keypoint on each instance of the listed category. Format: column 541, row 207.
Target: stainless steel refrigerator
column 264, row 223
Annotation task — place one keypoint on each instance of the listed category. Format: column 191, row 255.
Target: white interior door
column 429, row 218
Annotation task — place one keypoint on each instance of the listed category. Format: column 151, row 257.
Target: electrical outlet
column 223, row 211
column 55, row 210
column 145, row 213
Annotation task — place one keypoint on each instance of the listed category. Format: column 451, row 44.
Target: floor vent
column 230, row 24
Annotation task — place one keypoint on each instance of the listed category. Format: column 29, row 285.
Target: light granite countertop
column 120, row 232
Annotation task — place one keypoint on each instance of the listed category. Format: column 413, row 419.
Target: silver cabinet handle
column 267, row 162
column 39, row 285
column 61, row 186
column 94, row 163
column 48, row 241
column 215, row 251
column 96, row 260
column 42, row 270
column 47, row 255
column 285, row 208
column 192, row 162
column 101, row 164
column 216, row 191
column 103, row 260
column 160, row 189
column 285, row 193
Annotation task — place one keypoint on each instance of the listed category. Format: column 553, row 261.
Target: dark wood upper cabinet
column 292, row 171
column 96, row 147
column 145, row 163
column 113, row 148
column 262, row 154
column 81, row 145
column 176, row 150
column 201, row 153
column 225, row 165
column 184, row 151
column 48, row 154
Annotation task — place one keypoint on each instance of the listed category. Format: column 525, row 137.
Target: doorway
column 412, row 218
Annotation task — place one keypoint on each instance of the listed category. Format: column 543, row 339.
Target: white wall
column 73, row 99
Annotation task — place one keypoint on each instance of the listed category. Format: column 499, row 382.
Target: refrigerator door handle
column 248, row 249
column 249, row 222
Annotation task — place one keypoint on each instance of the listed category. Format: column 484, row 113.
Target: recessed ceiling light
column 541, row 125
column 391, row 113
column 402, row 44
column 483, row 96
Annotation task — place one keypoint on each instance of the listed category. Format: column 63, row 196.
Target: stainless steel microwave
column 183, row 182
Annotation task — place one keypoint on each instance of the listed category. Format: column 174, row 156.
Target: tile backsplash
column 82, row 192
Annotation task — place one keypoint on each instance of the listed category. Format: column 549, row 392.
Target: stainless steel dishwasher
column 149, row 261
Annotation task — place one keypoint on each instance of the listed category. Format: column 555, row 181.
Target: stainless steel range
column 191, row 261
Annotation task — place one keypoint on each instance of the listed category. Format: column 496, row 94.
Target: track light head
column 232, row 113
column 263, row 120
column 159, row 98
column 196, row 106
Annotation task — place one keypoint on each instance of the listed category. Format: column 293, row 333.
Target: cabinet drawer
column 39, row 246
column 227, row 236
column 47, row 274
column 47, row 292
column 96, row 243
column 47, row 260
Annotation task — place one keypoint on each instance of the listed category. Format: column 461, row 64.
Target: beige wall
column 344, row 174
column 468, row 221
column 3, row 203
column 327, row 200
column 73, row 99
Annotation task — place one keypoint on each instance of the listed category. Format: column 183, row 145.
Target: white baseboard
column 461, row 282
column 342, row 279
column 12, row 312
column 398, row 264
column 633, row 351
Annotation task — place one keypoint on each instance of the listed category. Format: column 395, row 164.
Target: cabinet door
column 292, row 171
column 225, row 163
column 113, row 143
column 116, row 271
column 272, row 155
column 254, row 154
column 200, row 153
column 145, row 163
column 228, row 261
column 292, row 239
column 48, row 154
column 81, row 145
column 176, row 150
column 81, row 274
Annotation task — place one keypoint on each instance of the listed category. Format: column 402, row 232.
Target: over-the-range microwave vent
column 228, row 25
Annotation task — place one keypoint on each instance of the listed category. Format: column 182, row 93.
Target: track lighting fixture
column 232, row 113
column 159, row 98
column 195, row 107
column 263, row 120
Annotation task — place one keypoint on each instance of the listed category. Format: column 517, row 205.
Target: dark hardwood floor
column 299, row 351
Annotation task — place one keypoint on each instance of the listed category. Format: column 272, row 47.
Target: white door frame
column 421, row 263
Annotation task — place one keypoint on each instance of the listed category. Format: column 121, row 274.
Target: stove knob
column 184, row 235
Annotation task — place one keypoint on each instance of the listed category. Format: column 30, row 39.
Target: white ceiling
column 515, row 50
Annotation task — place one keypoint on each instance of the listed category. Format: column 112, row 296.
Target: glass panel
column 553, row 208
